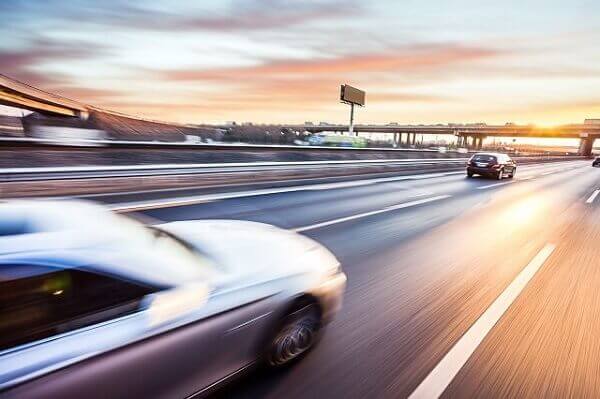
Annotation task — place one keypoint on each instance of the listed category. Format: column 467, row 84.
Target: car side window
column 38, row 302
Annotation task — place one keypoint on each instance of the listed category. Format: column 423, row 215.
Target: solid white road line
column 592, row 197
column 495, row 185
column 442, row 375
column 199, row 199
column 371, row 213
column 325, row 186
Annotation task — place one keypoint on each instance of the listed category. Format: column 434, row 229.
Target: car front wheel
column 499, row 175
column 297, row 335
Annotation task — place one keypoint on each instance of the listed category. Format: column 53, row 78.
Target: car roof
column 31, row 216
column 87, row 236
column 494, row 154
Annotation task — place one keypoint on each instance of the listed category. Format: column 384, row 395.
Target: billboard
column 352, row 95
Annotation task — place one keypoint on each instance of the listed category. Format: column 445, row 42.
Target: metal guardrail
column 32, row 141
column 86, row 172
column 100, row 172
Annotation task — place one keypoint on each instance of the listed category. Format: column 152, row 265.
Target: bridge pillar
column 585, row 146
column 479, row 143
column 414, row 139
column 473, row 142
column 395, row 139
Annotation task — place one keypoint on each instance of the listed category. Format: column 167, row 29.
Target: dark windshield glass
column 38, row 302
column 484, row 158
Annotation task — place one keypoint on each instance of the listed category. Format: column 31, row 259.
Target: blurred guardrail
column 96, row 172
column 31, row 141
column 28, row 152
column 94, row 180
column 32, row 167
column 89, row 172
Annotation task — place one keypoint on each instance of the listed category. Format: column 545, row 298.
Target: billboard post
column 352, row 96
column 351, row 126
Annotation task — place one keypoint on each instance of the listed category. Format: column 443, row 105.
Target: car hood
column 254, row 251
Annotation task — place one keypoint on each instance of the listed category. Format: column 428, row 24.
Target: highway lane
column 548, row 343
column 421, row 276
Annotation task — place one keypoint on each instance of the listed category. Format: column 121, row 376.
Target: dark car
column 596, row 162
column 493, row 165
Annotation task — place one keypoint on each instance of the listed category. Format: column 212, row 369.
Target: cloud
column 24, row 64
column 290, row 86
column 27, row 65
column 269, row 14
column 241, row 15
column 415, row 58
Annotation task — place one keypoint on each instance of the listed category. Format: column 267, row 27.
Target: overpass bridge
column 472, row 135
column 21, row 95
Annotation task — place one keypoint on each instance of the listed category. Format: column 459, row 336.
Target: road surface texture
column 457, row 287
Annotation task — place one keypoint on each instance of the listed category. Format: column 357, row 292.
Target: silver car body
column 205, row 324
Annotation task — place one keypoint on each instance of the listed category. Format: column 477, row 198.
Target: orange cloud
column 410, row 59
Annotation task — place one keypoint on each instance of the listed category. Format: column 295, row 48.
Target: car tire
column 297, row 334
column 469, row 174
column 512, row 174
column 499, row 175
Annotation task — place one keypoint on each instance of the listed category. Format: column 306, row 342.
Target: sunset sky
column 283, row 61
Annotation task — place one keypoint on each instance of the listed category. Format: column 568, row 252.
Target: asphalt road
column 456, row 287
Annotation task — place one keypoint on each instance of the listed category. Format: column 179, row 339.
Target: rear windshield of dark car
column 484, row 158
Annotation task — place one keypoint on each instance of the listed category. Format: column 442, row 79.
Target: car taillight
column 496, row 166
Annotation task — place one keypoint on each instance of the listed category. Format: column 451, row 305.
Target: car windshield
column 165, row 241
column 185, row 263
column 484, row 158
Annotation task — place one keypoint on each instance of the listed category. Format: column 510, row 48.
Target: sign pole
column 351, row 127
column 352, row 96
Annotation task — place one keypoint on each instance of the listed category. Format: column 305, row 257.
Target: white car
column 97, row 305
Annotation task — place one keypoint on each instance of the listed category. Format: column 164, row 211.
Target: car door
column 69, row 333
column 249, row 323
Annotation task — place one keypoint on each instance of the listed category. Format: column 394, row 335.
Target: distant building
column 308, row 123
column 591, row 122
